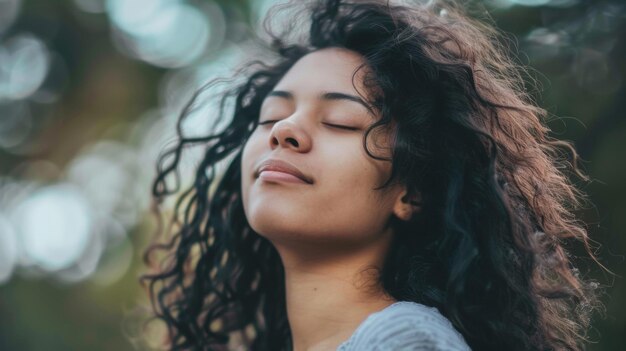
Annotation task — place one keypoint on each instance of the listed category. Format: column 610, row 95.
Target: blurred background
column 90, row 91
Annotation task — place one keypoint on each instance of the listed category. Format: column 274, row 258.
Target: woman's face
column 305, row 127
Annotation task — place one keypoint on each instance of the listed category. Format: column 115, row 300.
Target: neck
column 328, row 294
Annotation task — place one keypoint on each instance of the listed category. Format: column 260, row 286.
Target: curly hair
column 488, row 247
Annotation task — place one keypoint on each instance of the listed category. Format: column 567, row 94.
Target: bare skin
column 333, row 231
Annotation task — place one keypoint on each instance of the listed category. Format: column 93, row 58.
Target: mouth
column 276, row 176
column 274, row 170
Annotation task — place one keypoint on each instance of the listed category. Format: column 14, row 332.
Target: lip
column 281, row 171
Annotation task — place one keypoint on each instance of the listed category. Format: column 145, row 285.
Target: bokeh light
column 24, row 63
column 104, row 172
column 166, row 33
column 53, row 225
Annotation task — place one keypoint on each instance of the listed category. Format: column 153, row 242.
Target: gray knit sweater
column 406, row 326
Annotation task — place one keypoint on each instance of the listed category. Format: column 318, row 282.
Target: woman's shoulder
column 405, row 325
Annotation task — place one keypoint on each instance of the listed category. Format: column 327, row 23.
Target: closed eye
column 338, row 126
column 268, row 122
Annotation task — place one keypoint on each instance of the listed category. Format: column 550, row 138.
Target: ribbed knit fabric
column 405, row 325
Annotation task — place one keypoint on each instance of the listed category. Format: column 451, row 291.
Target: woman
column 389, row 186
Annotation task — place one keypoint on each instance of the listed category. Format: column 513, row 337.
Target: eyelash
column 328, row 124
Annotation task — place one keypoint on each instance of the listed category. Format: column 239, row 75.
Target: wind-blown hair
column 487, row 248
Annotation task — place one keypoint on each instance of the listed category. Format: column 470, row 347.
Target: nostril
column 293, row 141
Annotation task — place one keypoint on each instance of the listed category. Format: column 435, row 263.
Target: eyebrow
column 325, row 95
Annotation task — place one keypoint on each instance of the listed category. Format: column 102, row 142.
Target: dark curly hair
column 487, row 249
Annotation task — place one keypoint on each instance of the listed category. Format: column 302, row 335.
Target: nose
column 287, row 134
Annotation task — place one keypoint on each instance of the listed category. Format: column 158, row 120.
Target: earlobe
column 407, row 206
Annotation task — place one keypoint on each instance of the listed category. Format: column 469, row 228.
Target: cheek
column 354, row 170
column 249, row 156
column 347, row 192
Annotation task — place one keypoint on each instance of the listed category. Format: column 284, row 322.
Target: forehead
column 329, row 69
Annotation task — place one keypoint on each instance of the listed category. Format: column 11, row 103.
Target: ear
column 406, row 205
